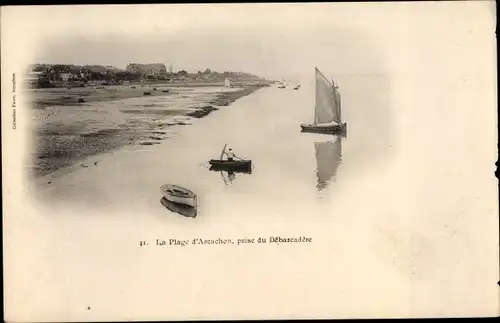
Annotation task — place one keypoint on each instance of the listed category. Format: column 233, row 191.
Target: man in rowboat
column 230, row 155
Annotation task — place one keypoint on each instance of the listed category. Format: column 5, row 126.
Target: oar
column 221, row 173
column 223, row 150
column 205, row 164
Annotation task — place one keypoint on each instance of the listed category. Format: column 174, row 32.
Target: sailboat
column 328, row 159
column 227, row 83
column 327, row 111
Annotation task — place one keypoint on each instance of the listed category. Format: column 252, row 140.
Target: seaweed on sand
column 149, row 143
column 201, row 112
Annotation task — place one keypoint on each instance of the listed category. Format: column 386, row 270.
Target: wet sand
column 66, row 132
column 42, row 98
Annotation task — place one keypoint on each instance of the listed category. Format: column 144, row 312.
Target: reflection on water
column 228, row 176
column 243, row 170
column 185, row 210
column 328, row 159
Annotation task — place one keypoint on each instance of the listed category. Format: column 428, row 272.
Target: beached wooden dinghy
column 179, row 195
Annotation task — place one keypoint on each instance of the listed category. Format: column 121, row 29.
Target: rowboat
column 230, row 164
column 178, row 194
column 234, row 165
column 182, row 209
column 327, row 110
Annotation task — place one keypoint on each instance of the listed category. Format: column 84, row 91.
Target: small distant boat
column 281, row 86
column 179, row 195
column 327, row 112
column 182, row 209
column 297, row 87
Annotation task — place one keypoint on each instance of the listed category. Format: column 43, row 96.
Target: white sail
column 328, row 159
column 227, row 83
column 327, row 107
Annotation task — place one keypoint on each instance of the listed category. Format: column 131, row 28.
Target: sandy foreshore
column 67, row 131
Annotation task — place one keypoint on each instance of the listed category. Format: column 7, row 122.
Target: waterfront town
column 65, row 75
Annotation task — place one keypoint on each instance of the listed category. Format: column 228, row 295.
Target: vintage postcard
column 249, row 161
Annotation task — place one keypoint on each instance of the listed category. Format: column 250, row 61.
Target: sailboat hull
column 325, row 129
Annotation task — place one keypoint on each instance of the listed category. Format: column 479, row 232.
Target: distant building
column 133, row 68
column 95, row 68
column 156, row 69
column 111, row 68
column 66, row 76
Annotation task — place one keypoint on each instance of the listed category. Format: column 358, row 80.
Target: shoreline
column 65, row 137
column 69, row 97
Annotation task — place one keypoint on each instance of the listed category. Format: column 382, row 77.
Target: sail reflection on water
column 328, row 159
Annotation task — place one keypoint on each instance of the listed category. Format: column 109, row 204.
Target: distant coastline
column 68, row 75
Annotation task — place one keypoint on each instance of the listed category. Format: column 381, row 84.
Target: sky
column 270, row 40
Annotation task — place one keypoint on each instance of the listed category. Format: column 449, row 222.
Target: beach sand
column 67, row 132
